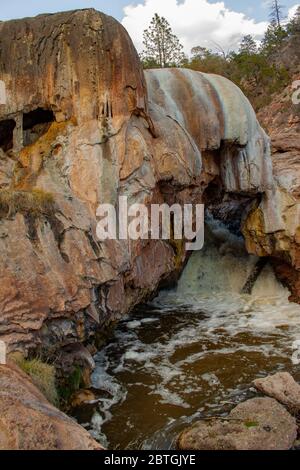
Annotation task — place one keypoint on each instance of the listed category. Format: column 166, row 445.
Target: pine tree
column 200, row 53
column 293, row 26
column 276, row 12
column 273, row 40
column 248, row 46
column 161, row 47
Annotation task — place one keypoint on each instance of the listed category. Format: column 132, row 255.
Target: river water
column 193, row 352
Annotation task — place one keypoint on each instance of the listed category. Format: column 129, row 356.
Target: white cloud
column 292, row 11
column 195, row 22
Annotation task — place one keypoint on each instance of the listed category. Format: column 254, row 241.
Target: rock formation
column 273, row 226
column 29, row 422
column 256, row 424
column 82, row 125
column 283, row 388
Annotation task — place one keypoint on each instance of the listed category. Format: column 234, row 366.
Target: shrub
column 35, row 202
column 41, row 374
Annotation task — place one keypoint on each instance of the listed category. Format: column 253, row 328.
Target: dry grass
column 35, row 202
column 41, row 374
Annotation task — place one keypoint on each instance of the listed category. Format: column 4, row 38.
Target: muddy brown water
column 191, row 353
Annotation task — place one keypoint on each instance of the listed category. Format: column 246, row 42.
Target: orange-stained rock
column 29, row 422
column 83, row 125
column 77, row 63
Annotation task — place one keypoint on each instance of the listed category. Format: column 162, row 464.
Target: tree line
column 255, row 67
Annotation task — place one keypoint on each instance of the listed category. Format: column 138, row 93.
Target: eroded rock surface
column 29, row 422
column 83, row 126
column 257, row 424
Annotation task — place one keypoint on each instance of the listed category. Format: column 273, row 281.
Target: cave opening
column 7, row 127
column 35, row 124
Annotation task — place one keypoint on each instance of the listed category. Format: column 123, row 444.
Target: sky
column 196, row 22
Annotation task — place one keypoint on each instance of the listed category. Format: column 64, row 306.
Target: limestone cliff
column 81, row 126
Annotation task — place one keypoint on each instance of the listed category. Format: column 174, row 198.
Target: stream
column 194, row 351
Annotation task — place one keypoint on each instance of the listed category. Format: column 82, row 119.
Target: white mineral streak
column 2, row 353
column 215, row 113
column 2, row 92
column 249, row 168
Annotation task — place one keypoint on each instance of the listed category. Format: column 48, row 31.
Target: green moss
column 251, row 424
column 69, row 386
column 35, row 202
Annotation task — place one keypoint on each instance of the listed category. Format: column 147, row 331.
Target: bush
column 35, row 202
column 41, row 374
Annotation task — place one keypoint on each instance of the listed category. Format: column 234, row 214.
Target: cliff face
column 82, row 126
column 273, row 227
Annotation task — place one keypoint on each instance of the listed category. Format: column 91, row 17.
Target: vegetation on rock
column 35, row 202
column 41, row 374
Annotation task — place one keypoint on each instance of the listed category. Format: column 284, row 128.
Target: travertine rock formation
column 218, row 118
column 273, row 226
column 81, row 126
column 29, row 422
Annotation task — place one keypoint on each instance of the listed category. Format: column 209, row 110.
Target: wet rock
column 283, row 388
column 82, row 397
column 29, row 422
column 72, row 357
column 257, row 424
column 296, row 445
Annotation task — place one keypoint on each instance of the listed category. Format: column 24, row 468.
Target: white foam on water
column 169, row 398
column 212, row 379
column 149, row 320
column 139, row 356
column 132, row 325
column 95, row 429
column 105, row 382
column 210, row 320
column 213, row 281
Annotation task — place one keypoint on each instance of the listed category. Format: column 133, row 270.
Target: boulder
column 257, row 424
column 283, row 388
column 29, row 422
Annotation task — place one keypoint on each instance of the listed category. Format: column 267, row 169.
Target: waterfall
column 195, row 348
column 224, row 266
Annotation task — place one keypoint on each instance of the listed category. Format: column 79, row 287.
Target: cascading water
column 194, row 351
